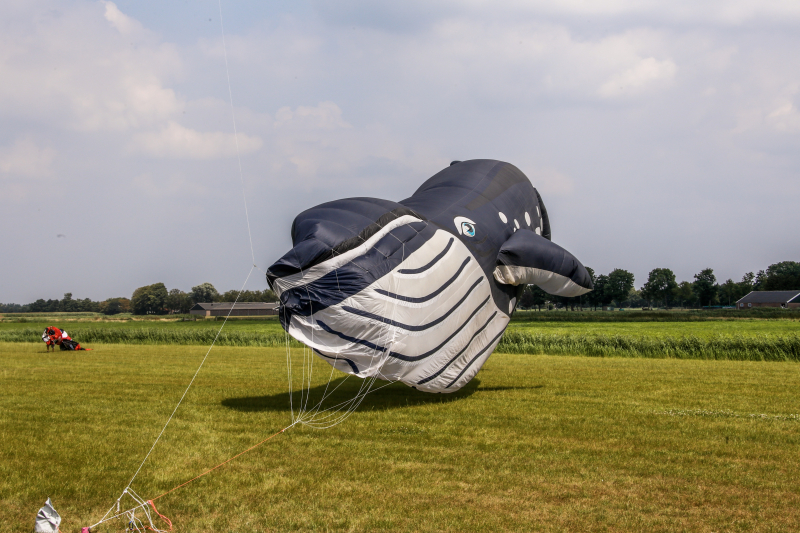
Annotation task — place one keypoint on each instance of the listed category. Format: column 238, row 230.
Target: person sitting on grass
column 53, row 336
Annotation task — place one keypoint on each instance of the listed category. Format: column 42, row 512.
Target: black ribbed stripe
column 434, row 294
column 407, row 327
column 397, row 355
column 349, row 338
column 348, row 361
column 451, row 361
column 429, row 265
column 475, row 358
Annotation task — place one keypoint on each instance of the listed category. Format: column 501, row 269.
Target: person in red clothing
column 53, row 336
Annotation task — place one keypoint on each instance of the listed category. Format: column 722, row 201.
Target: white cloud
column 785, row 118
column 89, row 68
column 178, row 142
column 316, row 143
column 783, row 115
column 358, row 98
column 646, row 72
column 728, row 12
column 326, row 115
column 25, row 159
column 122, row 22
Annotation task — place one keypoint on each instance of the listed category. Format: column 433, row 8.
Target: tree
column 705, row 287
column 150, row 299
column 179, row 301
column 114, row 306
column 532, row 296
column 660, row 286
column 746, row 285
column 68, row 305
column 760, row 279
column 729, row 292
column 601, row 291
column 783, row 276
column 684, row 293
column 635, row 299
column 204, row 293
column 41, row 306
column 593, row 298
column 247, row 296
column 620, row 283
column 14, row 308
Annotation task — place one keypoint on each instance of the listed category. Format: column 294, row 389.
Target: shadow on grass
column 394, row 396
column 510, row 387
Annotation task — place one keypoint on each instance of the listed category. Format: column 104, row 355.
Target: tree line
column 663, row 290
column 617, row 288
column 146, row 300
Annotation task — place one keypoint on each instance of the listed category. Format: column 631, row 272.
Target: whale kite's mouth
column 323, row 235
column 347, row 269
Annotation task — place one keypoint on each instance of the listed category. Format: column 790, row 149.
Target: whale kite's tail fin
column 528, row 258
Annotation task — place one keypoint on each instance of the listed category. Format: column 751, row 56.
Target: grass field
column 535, row 443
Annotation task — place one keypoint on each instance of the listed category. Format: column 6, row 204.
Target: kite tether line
column 128, row 490
column 314, row 417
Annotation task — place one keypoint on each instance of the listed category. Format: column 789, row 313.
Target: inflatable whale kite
column 420, row 291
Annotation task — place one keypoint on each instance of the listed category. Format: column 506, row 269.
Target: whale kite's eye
column 465, row 226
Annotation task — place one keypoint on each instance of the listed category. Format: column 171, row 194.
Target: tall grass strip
column 736, row 348
column 724, row 347
column 193, row 336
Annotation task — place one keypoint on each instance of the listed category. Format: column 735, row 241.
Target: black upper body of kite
column 370, row 278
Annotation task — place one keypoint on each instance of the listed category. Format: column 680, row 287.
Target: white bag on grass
column 48, row 520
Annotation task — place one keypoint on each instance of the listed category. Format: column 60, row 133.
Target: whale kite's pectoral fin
column 528, row 258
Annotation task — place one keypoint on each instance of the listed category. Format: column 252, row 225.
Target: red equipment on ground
column 53, row 336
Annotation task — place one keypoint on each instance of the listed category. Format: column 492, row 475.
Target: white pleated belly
column 430, row 323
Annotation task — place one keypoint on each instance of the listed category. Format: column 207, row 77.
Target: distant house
column 241, row 309
column 786, row 299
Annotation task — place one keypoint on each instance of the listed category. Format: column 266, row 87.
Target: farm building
column 786, row 299
column 241, row 309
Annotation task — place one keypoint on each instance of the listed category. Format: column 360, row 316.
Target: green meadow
column 534, row 443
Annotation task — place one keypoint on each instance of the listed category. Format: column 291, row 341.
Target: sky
column 659, row 134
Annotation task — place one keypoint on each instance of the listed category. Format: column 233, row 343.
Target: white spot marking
column 538, row 231
column 502, row 217
column 516, row 223
column 538, row 213
column 527, row 218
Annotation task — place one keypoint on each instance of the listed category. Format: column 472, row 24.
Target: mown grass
column 535, row 443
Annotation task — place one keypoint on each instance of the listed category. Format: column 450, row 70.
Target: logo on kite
column 465, row 226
